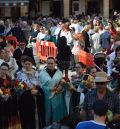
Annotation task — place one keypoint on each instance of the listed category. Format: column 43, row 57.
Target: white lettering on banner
column 41, row 42
column 46, row 43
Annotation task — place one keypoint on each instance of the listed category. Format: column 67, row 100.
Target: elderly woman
column 13, row 67
column 48, row 79
column 8, row 101
column 31, row 104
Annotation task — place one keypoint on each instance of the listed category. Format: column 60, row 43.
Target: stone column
column 111, row 4
column 86, row 6
column 106, row 8
column 82, row 4
column 40, row 6
column 66, row 5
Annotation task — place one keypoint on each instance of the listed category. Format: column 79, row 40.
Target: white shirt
column 77, row 27
column 53, row 29
column 95, row 41
column 40, row 36
column 110, row 63
column 68, row 37
column 57, row 31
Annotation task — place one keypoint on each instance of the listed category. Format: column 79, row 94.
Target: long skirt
column 9, row 117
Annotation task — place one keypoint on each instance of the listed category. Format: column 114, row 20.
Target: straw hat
column 101, row 77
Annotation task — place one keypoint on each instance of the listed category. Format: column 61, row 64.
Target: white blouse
column 29, row 77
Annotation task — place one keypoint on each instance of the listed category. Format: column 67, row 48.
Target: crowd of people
column 51, row 98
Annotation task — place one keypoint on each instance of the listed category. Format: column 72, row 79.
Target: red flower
column 25, row 85
column 7, row 91
column 16, row 83
column 6, row 83
column 66, row 79
column 19, row 85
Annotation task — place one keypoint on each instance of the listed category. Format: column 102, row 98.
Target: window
column 75, row 6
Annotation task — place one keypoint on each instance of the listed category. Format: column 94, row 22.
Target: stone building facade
column 13, row 8
column 57, row 7
column 68, row 7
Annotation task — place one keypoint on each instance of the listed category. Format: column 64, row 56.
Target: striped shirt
column 110, row 98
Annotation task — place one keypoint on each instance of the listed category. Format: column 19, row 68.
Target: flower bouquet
column 64, row 84
column 20, row 85
column 55, row 91
column 4, row 91
column 6, row 87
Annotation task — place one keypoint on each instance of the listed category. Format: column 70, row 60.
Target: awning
column 5, row 3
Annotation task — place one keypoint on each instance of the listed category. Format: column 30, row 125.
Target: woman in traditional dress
column 8, row 101
column 55, row 107
column 31, row 100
